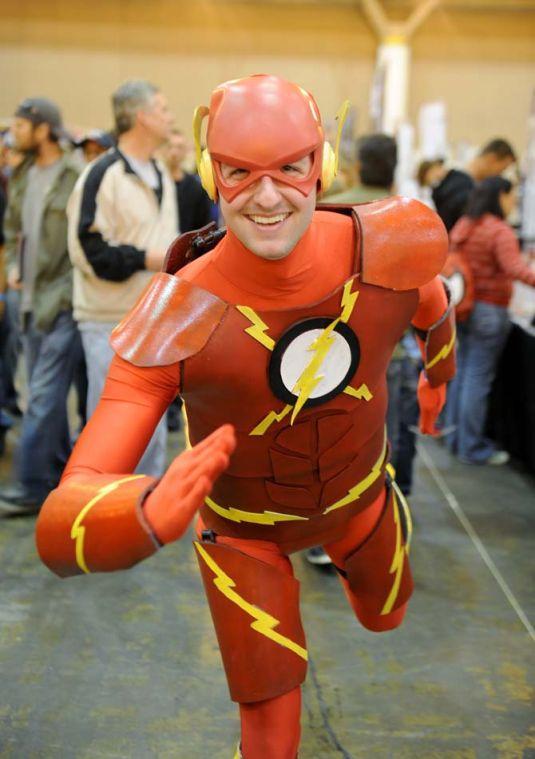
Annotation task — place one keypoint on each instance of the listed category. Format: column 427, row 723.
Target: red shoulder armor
column 404, row 243
column 172, row 320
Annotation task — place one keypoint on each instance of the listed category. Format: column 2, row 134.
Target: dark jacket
column 451, row 195
column 53, row 275
column 194, row 206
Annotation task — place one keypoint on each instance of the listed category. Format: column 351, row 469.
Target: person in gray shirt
column 38, row 265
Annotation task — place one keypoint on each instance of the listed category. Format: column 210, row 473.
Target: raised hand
column 183, row 488
column 431, row 401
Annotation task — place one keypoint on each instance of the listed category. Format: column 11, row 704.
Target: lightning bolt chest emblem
column 311, row 362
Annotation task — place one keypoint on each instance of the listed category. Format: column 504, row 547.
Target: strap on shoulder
column 191, row 245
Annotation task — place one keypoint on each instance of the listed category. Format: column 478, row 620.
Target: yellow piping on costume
column 357, row 490
column 263, row 517
column 397, row 562
column 443, row 352
column 78, row 530
column 406, row 510
column 264, row 623
column 258, row 328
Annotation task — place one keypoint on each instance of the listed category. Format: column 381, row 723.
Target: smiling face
column 269, row 217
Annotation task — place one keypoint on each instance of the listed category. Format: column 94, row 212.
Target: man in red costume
column 277, row 339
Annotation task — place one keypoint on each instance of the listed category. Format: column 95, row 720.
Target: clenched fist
column 431, row 400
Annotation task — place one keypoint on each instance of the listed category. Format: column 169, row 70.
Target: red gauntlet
column 95, row 524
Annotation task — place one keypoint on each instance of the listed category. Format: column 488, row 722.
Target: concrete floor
column 127, row 666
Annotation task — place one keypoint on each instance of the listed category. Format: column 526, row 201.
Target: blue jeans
column 45, row 441
column 402, row 413
column 98, row 356
column 481, row 340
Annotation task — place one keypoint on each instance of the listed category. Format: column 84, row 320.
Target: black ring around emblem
column 274, row 370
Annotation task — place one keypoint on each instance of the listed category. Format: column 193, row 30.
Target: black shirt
column 451, row 195
column 194, row 206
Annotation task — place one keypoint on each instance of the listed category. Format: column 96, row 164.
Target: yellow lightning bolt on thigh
column 309, row 379
column 397, row 562
column 264, row 623
column 78, row 530
column 258, row 328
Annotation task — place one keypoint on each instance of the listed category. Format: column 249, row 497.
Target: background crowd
column 87, row 221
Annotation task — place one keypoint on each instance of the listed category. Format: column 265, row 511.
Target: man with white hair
column 122, row 217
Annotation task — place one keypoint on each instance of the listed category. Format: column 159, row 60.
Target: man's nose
column 267, row 193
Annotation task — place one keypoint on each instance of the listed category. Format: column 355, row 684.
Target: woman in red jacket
column 490, row 248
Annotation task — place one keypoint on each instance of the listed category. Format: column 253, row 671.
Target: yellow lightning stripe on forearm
column 397, row 562
column 253, row 517
column 264, row 623
column 358, row 489
column 268, row 420
column 362, row 393
column 308, row 380
column 348, row 302
column 78, row 530
column 443, row 352
column 258, row 328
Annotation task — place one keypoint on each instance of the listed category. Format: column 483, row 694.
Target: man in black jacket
column 194, row 206
column 452, row 187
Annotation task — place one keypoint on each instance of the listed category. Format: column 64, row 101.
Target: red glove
column 431, row 401
column 170, row 507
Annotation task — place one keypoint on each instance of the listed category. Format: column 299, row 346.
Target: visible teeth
column 268, row 219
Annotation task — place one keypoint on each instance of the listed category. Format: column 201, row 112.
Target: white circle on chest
column 332, row 368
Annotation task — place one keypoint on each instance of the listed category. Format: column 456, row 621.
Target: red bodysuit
column 311, row 457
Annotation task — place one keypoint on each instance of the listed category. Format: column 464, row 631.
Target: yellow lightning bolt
column 258, row 328
column 308, row 379
column 78, row 530
column 402, row 501
column 268, row 420
column 272, row 517
column 443, row 352
column 262, row 517
column 264, row 623
column 362, row 392
column 357, row 490
column 348, row 301
column 397, row 563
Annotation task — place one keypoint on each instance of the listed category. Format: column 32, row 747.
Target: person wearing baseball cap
column 94, row 143
column 42, row 111
column 39, row 268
